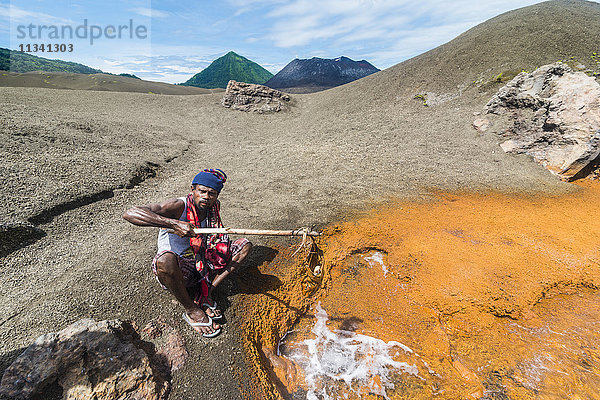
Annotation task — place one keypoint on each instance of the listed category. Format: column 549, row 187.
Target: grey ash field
column 73, row 160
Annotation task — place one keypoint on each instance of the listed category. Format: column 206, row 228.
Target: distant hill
column 101, row 82
column 230, row 66
column 17, row 61
column 130, row 76
column 315, row 74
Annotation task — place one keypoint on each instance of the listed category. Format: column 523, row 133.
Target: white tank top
column 174, row 243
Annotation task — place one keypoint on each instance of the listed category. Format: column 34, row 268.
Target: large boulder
column 257, row 98
column 89, row 360
column 554, row 115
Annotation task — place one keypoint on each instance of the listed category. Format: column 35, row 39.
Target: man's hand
column 183, row 229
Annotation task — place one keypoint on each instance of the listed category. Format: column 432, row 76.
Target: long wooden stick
column 264, row 232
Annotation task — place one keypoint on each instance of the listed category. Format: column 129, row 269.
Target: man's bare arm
column 162, row 215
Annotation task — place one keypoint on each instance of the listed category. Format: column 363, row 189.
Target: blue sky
column 183, row 37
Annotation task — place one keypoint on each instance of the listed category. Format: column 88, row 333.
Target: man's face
column 204, row 197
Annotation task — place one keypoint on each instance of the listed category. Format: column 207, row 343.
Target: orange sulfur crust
column 487, row 290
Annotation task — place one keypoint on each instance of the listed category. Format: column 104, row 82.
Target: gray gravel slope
column 333, row 153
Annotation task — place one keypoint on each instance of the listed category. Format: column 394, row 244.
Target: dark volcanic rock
column 257, row 98
column 320, row 73
column 89, row 360
column 555, row 114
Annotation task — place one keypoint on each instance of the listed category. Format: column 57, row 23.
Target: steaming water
column 336, row 362
column 498, row 296
column 377, row 259
column 552, row 353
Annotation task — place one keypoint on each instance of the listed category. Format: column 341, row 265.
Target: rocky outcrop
column 481, row 124
column 555, row 118
column 90, row 360
column 169, row 342
column 256, row 98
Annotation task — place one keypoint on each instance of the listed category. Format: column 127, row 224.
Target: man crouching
column 190, row 266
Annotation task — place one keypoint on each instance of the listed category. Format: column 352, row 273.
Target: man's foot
column 202, row 323
column 210, row 307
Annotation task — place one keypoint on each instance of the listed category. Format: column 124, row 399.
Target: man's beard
column 203, row 205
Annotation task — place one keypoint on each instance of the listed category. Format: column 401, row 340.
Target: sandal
column 213, row 308
column 193, row 324
column 203, row 301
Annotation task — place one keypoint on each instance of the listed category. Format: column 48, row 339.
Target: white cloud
column 16, row 15
column 303, row 31
column 299, row 23
column 410, row 43
column 150, row 12
column 171, row 69
column 273, row 68
column 181, row 69
column 254, row 3
column 382, row 31
column 245, row 6
column 191, row 52
column 342, row 16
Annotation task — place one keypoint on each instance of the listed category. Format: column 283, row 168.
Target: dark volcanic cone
column 315, row 74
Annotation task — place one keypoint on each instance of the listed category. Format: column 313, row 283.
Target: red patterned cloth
column 197, row 282
column 210, row 250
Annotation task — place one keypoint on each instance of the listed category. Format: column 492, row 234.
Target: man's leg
column 170, row 275
column 233, row 265
column 239, row 255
